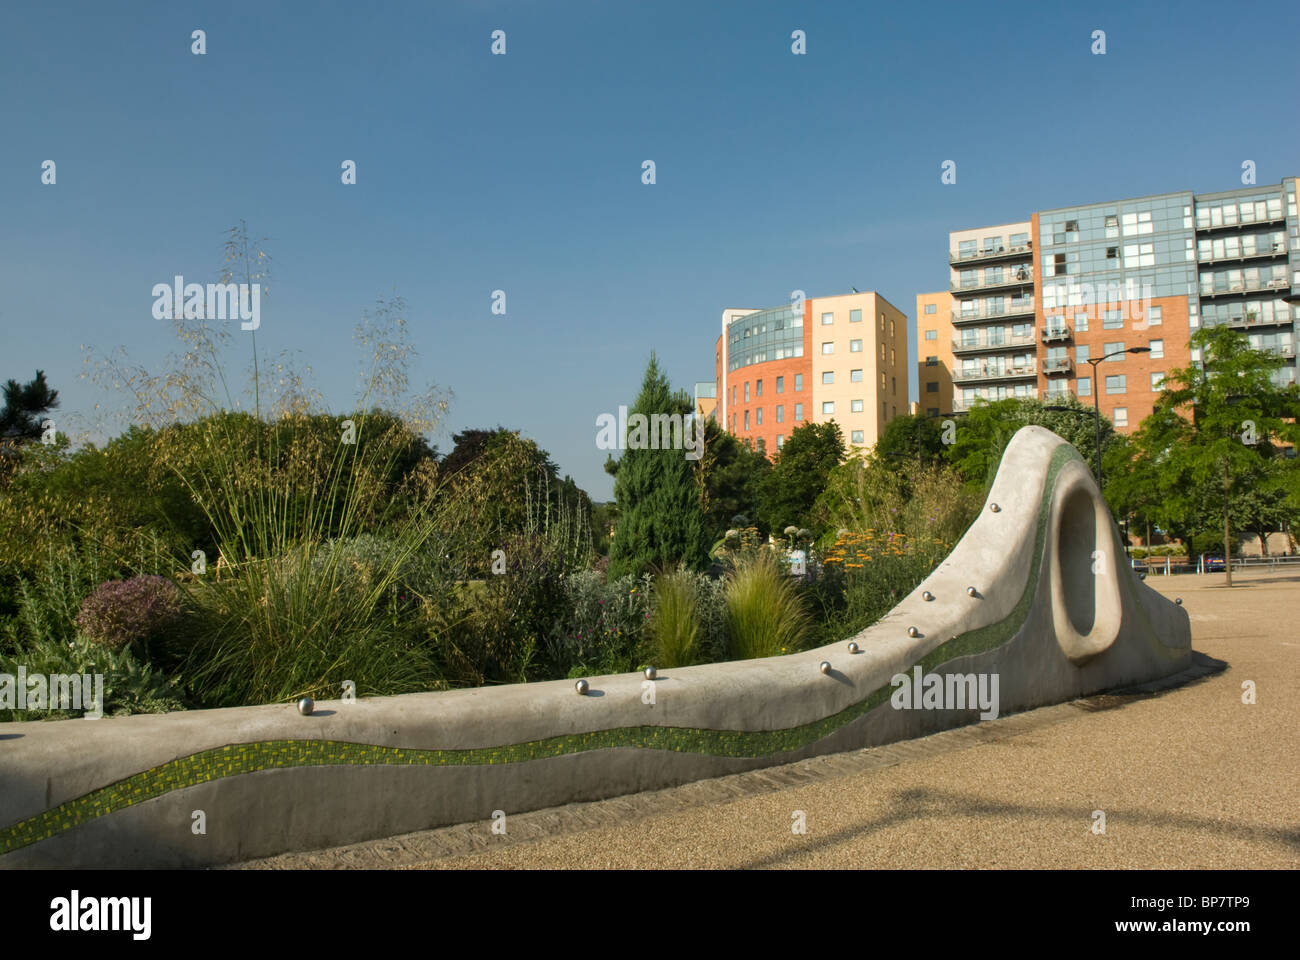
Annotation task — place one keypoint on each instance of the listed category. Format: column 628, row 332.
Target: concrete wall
column 118, row 792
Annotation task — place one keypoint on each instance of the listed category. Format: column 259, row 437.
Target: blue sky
column 523, row 172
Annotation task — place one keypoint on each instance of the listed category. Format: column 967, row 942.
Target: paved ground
column 1187, row 777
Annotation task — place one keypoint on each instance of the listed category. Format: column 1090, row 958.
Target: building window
column 1081, row 322
column 882, row 381
column 780, row 384
column 828, row 376
column 733, row 394
column 780, row 413
column 798, row 386
column 892, row 334
column 1157, row 381
column 1120, row 417
column 1113, row 320
column 893, row 356
column 828, row 406
column 855, row 406
column 1113, row 350
column 747, row 391
column 932, row 386
column 855, row 346
column 882, row 321
column 1083, row 387
column 931, row 361
column 780, row 440
column 932, row 334
column 931, row 411
column 893, row 384
column 855, row 316
column 746, row 419
column 1116, row 383
column 931, row 308
column 1157, row 349
column 798, row 413
column 758, row 388
column 857, row 436
column 1112, row 227
column 1082, row 352
column 1112, row 253
column 855, row 376
column 758, row 416
column 828, row 319
column 1155, row 316
column 828, row 347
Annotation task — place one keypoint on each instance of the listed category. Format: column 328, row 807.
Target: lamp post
column 1096, row 398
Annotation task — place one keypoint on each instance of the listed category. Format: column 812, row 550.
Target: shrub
column 120, row 612
column 876, row 571
column 765, row 611
column 674, row 625
column 604, row 626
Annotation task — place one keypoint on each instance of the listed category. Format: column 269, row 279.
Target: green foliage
column 24, row 407
column 674, row 624
column 661, row 523
column 604, row 627
column 803, row 467
column 766, row 615
column 731, row 476
column 983, row 434
column 875, row 571
column 913, row 437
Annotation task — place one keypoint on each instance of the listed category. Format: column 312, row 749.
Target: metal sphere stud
column 651, row 673
column 995, row 508
column 306, row 705
column 913, row 632
column 927, row 595
column 1178, row 600
column 825, row 666
column 582, row 686
column 972, row 592
column 853, row 647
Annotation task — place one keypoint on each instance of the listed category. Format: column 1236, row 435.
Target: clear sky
column 523, row 172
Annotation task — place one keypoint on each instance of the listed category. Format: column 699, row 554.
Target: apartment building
column 1043, row 308
column 842, row 358
column 935, row 353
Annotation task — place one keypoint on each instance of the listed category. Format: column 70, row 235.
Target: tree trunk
column 1227, row 543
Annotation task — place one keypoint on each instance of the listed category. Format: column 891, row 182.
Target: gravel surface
column 1188, row 777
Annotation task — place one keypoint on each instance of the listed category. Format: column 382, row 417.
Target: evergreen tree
column 660, row 522
column 24, row 408
column 803, row 468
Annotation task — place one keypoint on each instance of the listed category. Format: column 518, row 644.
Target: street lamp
column 1096, row 397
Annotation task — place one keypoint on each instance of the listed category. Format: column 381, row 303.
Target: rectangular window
column 828, row 319
column 857, row 436
column 855, row 316
column 1157, row 349
column 1112, row 227
column 780, row 440
column 893, row 384
column 1081, row 323
column 1155, row 316
column 1083, row 387
column 932, row 386
column 828, row 376
column 893, row 357
column 932, row 334
column 758, row 392
column 966, row 248
column 855, row 406
column 1114, row 350
column 780, row 384
column 855, row 346
column 828, row 347
column 798, row 386
column 1120, row 417
column 1081, row 353
column 758, row 416
column 828, row 406
column 1116, row 383
column 746, row 419
column 929, row 308
column 747, row 391
column 1113, row 320
column 882, row 381
column 892, row 333
column 798, row 413
column 855, row 376
column 1157, row 381
column 780, row 413
column 931, row 411
column 931, row 361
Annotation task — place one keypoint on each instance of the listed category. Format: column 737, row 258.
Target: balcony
column 986, row 372
column 1019, row 277
column 1021, row 250
column 961, row 405
column 1275, row 250
column 1251, row 286
column 1056, row 332
column 982, row 344
column 1257, row 320
column 1206, row 227
column 1057, row 365
column 1023, row 307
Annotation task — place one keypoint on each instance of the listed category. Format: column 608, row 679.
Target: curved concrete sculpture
column 1033, row 606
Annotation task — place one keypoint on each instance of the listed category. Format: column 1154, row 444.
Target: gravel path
column 1187, row 777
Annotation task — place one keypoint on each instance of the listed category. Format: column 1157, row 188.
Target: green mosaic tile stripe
column 237, row 759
